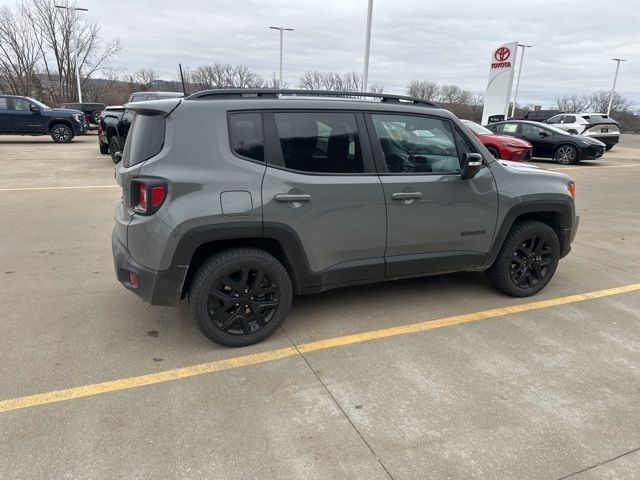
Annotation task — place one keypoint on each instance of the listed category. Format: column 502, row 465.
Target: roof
column 275, row 94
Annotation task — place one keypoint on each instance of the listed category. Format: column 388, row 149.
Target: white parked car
column 595, row 125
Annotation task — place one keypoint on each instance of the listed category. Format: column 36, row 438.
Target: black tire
column 494, row 153
column 95, row 116
column 61, row 133
column 527, row 261
column 566, row 154
column 114, row 146
column 104, row 148
column 608, row 147
column 233, row 277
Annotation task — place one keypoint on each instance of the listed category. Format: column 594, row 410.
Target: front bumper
column 591, row 152
column 568, row 235
column 156, row 287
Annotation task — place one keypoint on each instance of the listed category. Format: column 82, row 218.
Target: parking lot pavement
column 544, row 392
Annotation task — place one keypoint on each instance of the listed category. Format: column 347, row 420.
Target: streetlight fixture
column 282, row 30
column 76, row 41
column 515, row 96
column 615, row 79
column 367, row 47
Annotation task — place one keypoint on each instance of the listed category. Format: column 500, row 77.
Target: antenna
column 184, row 88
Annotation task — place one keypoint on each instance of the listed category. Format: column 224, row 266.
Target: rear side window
column 3, row 103
column 245, row 135
column 145, row 139
column 319, row 142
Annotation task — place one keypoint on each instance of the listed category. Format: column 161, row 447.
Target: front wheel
column 494, row 152
column 566, row 154
column 61, row 133
column 527, row 261
column 240, row 296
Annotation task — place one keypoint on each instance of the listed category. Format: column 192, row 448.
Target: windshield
column 39, row 104
column 479, row 129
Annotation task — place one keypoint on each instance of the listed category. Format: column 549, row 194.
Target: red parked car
column 500, row 146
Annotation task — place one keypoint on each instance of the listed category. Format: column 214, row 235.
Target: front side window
column 21, row 105
column 245, row 134
column 555, row 119
column 319, row 142
column 415, row 144
column 3, row 103
column 568, row 119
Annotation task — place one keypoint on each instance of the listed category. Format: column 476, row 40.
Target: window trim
column 275, row 158
column 264, row 136
column 378, row 154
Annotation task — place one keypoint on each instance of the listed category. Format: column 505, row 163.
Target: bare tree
column 423, row 89
column 19, row 53
column 600, row 102
column 225, row 76
column 341, row 82
column 573, row 102
column 62, row 32
column 146, row 78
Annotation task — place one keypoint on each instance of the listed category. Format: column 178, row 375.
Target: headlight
column 508, row 144
column 78, row 117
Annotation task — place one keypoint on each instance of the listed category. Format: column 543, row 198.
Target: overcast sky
column 443, row 41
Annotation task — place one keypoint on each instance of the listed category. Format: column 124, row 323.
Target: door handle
column 406, row 195
column 292, row 197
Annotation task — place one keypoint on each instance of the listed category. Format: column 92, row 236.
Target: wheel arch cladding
column 557, row 214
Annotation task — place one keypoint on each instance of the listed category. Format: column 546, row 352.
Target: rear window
column 145, row 139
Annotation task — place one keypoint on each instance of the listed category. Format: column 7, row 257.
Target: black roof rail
column 277, row 93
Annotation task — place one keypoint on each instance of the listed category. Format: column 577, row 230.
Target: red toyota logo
column 502, row 54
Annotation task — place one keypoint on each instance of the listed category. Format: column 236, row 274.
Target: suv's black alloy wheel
column 240, row 296
column 243, row 300
column 528, row 259
column 61, row 134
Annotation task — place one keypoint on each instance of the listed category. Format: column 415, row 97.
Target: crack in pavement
column 599, row 464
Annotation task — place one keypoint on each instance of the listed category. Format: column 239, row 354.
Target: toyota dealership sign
column 498, row 93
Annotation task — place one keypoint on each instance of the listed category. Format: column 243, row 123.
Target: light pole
column 515, row 96
column 76, row 41
column 367, row 47
column 615, row 79
column 282, row 30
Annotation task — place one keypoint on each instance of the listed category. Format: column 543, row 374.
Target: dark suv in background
column 237, row 199
column 26, row 116
column 114, row 122
column 91, row 112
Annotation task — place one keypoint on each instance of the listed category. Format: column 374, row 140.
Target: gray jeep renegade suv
column 237, row 199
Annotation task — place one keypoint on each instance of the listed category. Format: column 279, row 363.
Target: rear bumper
column 607, row 139
column 156, row 287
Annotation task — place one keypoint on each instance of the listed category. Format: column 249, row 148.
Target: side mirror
column 34, row 108
column 471, row 165
column 543, row 134
column 117, row 156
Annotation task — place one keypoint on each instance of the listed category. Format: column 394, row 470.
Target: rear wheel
column 527, row 261
column 114, row 146
column 240, row 296
column 95, row 117
column 61, row 133
column 566, row 154
column 494, row 152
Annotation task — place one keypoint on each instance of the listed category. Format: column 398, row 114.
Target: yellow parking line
column 255, row 358
column 68, row 187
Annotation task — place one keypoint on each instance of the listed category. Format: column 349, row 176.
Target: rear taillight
column 147, row 195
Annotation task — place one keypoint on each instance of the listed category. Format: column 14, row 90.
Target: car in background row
column 550, row 141
column 501, row 147
column 91, row 112
column 595, row 125
column 26, row 116
column 114, row 122
column 538, row 115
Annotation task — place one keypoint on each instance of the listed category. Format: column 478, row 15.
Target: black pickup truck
column 114, row 122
